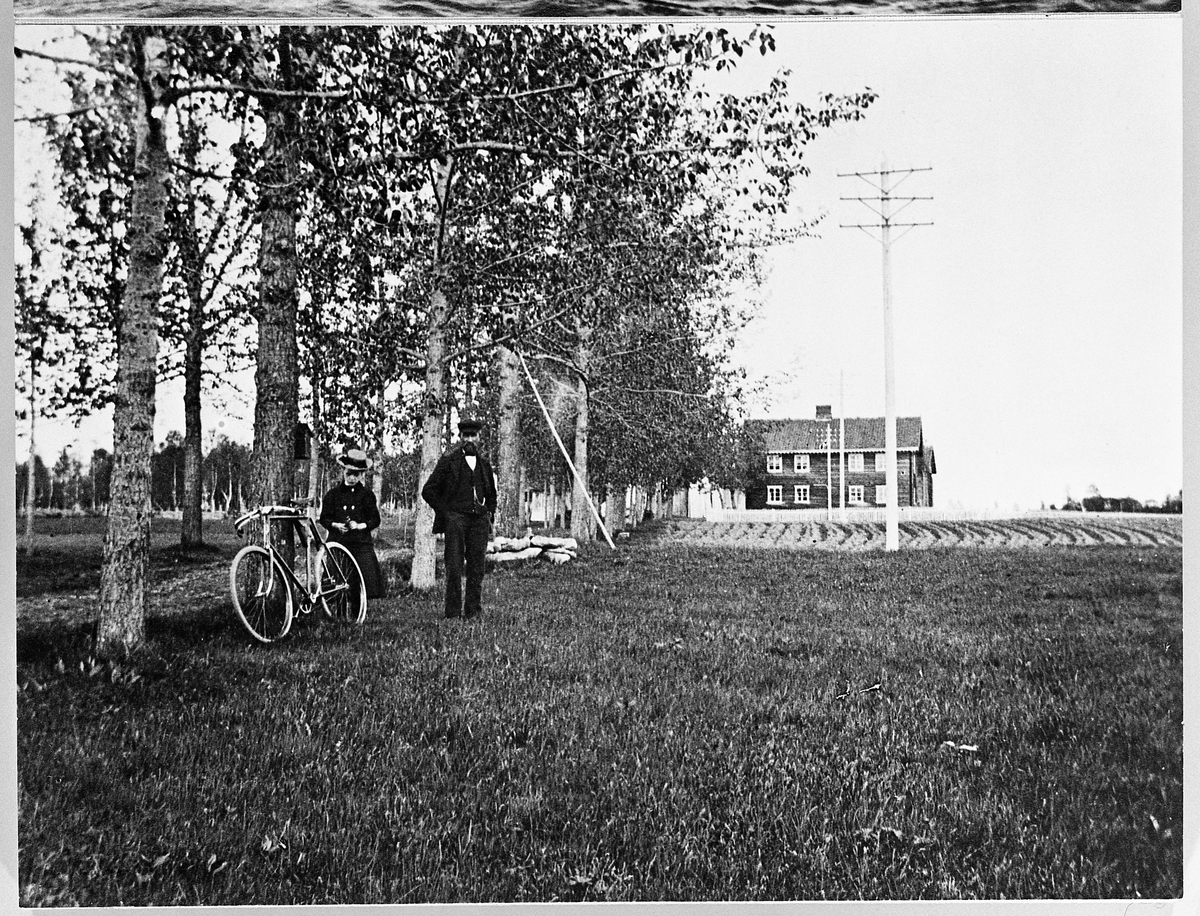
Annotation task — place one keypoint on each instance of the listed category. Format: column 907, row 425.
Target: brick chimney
column 824, row 412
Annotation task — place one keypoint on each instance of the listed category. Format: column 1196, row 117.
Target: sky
column 1037, row 322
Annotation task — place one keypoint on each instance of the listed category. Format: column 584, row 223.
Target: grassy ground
column 669, row 722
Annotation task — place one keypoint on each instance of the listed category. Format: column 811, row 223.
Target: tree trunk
column 276, row 377
column 508, row 499
column 314, row 454
column 583, row 525
column 523, row 512
column 616, row 508
column 229, row 491
column 315, row 457
column 424, row 540
column 192, row 531
column 377, row 479
column 31, row 477
column 125, row 574
column 424, row 565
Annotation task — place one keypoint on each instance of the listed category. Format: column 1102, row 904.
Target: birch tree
column 156, row 70
column 94, row 155
column 125, row 574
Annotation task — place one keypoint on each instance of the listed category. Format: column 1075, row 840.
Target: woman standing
column 349, row 512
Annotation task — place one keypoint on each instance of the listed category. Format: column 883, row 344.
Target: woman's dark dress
column 356, row 504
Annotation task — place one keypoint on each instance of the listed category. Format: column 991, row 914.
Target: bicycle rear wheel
column 343, row 595
column 262, row 595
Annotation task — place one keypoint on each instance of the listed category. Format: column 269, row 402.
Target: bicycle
column 267, row 593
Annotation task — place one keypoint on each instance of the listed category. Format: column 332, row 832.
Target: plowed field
column 1070, row 531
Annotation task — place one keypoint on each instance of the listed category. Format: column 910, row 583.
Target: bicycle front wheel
column 262, row 596
column 343, row 596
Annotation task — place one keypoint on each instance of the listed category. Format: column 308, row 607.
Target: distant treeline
column 1172, row 505
column 71, row 486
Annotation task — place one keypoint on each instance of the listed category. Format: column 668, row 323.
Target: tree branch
column 72, row 61
column 174, row 95
column 570, row 366
column 682, row 394
column 515, row 335
column 577, row 85
column 62, row 114
column 197, row 172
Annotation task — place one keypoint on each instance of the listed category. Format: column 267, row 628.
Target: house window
column 775, row 496
column 855, row 462
column 800, row 464
column 881, row 495
column 880, row 464
column 801, row 494
column 774, row 464
column 856, row 494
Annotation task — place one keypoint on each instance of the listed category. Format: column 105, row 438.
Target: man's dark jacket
column 449, row 488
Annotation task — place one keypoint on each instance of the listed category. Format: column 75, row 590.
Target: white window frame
column 880, row 461
column 855, row 495
column 881, row 494
column 800, row 464
column 777, row 491
column 802, row 494
column 854, row 461
column 774, row 464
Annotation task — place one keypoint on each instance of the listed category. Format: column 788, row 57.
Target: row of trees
column 68, row 485
column 1095, row 502
column 395, row 224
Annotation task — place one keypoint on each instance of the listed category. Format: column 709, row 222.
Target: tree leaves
column 598, row 156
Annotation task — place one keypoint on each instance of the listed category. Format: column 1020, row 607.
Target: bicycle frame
column 303, row 525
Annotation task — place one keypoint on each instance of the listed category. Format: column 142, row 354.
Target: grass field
column 670, row 722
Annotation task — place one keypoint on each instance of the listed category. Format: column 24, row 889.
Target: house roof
column 865, row 433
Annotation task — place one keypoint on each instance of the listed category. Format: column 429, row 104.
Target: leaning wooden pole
column 571, row 464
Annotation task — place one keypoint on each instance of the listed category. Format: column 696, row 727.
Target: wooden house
column 802, row 463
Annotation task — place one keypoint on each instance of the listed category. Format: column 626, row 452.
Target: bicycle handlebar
column 280, row 512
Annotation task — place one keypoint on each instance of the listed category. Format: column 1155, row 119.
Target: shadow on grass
column 76, row 567
column 45, row 644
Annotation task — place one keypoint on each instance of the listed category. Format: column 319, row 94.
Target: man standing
column 462, row 492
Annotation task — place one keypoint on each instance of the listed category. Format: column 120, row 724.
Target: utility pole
column 882, row 181
column 829, row 471
column 842, row 446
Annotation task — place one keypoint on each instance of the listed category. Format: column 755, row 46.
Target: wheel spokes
column 261, row 595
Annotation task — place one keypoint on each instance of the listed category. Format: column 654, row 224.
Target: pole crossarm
column 882, row 174
column 878, row 225
column 904, row 172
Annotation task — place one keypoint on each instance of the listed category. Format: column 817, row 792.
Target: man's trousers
column 466, row 551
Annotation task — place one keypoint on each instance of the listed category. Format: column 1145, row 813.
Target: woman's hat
column 469, row 426
column 354, row 459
